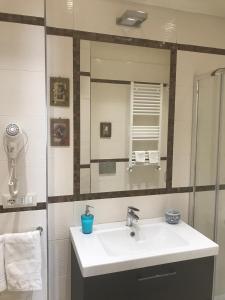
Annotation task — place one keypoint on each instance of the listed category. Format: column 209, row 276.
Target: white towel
column 23, row 261
column 139, row 156
column 2, row 266
column 153, row 156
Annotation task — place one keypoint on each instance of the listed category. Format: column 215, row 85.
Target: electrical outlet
column 20, row 201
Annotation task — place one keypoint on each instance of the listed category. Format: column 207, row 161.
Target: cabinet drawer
column 185, row 280
column 157, row 284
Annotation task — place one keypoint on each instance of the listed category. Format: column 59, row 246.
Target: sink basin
column 111, row 248
column 141, row 238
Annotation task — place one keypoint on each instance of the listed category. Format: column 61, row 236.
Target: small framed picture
column 60, row 132
column 105, row 130
column 59, row 91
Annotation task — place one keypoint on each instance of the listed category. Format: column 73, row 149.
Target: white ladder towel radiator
column 146, row 101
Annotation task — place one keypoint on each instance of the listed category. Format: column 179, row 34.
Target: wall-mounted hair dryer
column 14, row 143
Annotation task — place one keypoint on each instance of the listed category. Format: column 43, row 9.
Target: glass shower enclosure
column 207, row 203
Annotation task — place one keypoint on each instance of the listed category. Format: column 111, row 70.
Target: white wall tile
column 189, row 28
column 60, row 218
column 85, row 180
column 23, row 96
column 22, row 47
column 59, row 257
column 22, row 74
column 60, row 13
column 115, row 209
column 22, row 221
column 60, row 173
column 85, row 56
column 23, row 7
column 60, row 269
column 205, row 212
column 60, row 55
column 85, row 106
column 60, row 288
column 85, row 87
column 110, row 103
column 139, row 178
column 60, row 159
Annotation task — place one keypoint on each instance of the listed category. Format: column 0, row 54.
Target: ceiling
column 208, row 7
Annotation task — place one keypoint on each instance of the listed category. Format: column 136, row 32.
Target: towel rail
column 146, row 101
column 40, row 229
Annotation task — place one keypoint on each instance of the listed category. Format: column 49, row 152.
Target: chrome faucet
column 131, row 216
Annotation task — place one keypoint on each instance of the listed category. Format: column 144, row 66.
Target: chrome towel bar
column 39, row 228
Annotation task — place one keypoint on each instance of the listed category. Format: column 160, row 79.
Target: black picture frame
column 60, row 132
column 59, row 91
column 105, row 130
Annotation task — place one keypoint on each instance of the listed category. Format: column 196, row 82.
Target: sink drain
column 132, row 233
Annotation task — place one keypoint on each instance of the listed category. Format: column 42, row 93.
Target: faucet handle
column 133, row 208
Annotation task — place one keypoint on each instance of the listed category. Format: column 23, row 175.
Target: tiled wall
column 23, row 7
column 22, row 75
column 99, row 16
column 22, row 89
column 22, row 68
column 60, row 159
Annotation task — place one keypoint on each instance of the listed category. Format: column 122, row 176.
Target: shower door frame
column 193, row 169
column 194, row 147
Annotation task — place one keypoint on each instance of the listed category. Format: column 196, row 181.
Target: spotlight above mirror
column 132, row 18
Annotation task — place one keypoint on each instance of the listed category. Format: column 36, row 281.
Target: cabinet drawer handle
column 158, row 276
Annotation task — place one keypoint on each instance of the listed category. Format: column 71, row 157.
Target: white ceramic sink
column 111, row 248
column 148, row 237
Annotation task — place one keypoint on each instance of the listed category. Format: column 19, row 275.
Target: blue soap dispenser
column 87, row 220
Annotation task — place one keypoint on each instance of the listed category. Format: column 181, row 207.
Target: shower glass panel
column 204, row 213
column 220, row 217
column 208, row 168
column 207, row 131
column 205, row 140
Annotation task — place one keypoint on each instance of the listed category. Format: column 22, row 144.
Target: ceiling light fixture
column 132, row 18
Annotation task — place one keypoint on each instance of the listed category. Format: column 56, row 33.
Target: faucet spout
column 132, row 217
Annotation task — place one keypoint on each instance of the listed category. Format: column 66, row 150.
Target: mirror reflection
column 127, row 112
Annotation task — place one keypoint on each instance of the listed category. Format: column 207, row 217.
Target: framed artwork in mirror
column 105, row 130
column 59, row 91
column 60, row 132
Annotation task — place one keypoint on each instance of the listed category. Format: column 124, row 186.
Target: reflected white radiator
column 145, row 119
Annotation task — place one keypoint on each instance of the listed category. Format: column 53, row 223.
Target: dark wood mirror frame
column 173, row 47
column 77, row 73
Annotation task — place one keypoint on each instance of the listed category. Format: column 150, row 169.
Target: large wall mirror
column 124, row 117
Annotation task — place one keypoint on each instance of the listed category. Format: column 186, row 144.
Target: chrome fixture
column 40, row 229
column 217, row 71
column 14, row 143
column 132, row 18
column 131, row 216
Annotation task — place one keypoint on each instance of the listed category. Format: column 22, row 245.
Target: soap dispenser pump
column 87, row 220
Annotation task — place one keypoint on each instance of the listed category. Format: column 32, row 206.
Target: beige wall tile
column 23, row 7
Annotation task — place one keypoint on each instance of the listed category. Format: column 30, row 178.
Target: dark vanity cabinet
column 185, row 280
